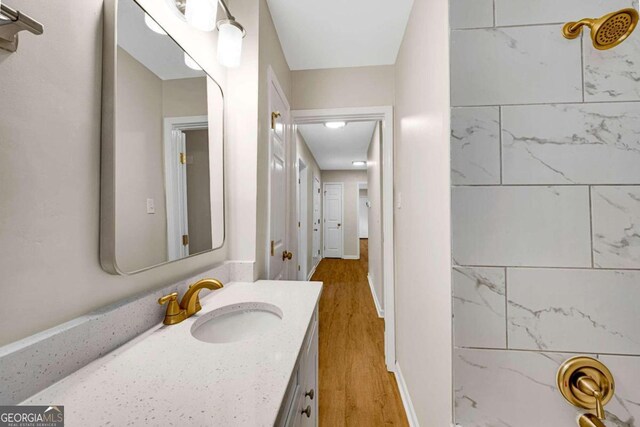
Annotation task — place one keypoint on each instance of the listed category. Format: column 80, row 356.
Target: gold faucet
column 190, row 303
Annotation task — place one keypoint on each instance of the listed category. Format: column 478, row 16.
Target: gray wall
column 141, row 238
column 50, row 170
column 546, row 209
column 350, row 179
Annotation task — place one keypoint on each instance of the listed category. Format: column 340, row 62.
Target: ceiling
column 336, row 149
column 159, row 53
column 338, row 33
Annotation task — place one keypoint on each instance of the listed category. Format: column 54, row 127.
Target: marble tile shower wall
column 545, row 153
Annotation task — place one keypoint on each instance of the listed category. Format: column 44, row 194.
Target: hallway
column 355, row 386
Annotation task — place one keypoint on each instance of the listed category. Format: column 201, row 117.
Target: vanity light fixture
column 359, row 163
column 153, row 25
column 189, row 62
column 201, row 14
column 335, row 125
column 230, row 35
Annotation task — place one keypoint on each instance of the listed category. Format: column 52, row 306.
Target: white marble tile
column 497, row 388
column 517, row 65
column 479, row 307
column 519, row 12
column 521, row 226
column 612, row 75
column 624, row 409
column 591, row 311
column 471, row 13
column 475, row 145
column 616, row 226
column 577, row 144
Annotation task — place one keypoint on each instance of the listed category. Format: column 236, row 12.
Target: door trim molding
column 385, row 115
column 358, row 184
column 302, row 240
column 173, row 199
column 324, row 217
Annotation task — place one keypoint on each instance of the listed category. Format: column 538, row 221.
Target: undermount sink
column 238, row 322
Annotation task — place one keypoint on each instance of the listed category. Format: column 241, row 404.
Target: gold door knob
column 586, row 383
column 286, row 255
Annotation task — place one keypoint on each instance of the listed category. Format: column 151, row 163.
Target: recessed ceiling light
column 335, row 125
column 359, row 163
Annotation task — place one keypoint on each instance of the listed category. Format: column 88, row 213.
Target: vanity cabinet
column 300, row 405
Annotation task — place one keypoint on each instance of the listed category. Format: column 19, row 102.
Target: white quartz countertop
column 166, row 377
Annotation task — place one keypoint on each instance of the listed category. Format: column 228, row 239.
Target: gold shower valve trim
column 586, row 383
column 607, row 31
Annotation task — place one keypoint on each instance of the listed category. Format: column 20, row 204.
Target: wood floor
column 355, row 387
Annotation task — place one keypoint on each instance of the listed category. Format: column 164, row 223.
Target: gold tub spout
column 590, row 420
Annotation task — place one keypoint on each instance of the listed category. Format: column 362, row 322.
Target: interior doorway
column 384, row 115
column 317, row 233
column 303, row 222
column 188, row 198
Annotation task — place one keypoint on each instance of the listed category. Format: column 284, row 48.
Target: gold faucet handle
column 174, row 313
column 590, row 387
column 172, row 299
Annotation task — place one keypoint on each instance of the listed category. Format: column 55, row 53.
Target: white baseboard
column 350, row 257
column 376, row 301
column 406, row 398
column 313, row 270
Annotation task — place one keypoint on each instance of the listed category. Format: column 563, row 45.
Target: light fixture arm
column 226, row 10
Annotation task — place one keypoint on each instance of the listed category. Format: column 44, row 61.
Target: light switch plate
column 151, row 206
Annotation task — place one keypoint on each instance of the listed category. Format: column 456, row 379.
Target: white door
column 277, row 250
column 333, row 220
column 179, row 244
column 316, row 221
column 303, row 220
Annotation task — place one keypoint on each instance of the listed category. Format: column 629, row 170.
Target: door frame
column 358, row 188
column 324, row 216
column 175, row 199
column 319, row 224
column 383, row 114
column 302, row 221
column 290, row 153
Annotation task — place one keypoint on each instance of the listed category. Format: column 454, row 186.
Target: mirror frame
column 108, row 220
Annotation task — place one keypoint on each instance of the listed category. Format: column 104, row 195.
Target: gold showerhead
column 606, row 32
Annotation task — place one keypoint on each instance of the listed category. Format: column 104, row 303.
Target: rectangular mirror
column 162, row 195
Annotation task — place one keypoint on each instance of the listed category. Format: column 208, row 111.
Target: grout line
column 539, row 351
column 539, row 267
column 586, row 184
column 591, row 226
column 543, row 24
column 500, row 142
column 494, row 12
column 549, row 103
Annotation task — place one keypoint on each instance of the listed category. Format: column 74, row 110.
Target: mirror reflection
column 166, row 189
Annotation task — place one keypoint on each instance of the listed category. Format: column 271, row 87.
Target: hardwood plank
column 355, row 387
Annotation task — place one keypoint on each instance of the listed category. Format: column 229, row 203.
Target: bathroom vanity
column 248, row 358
